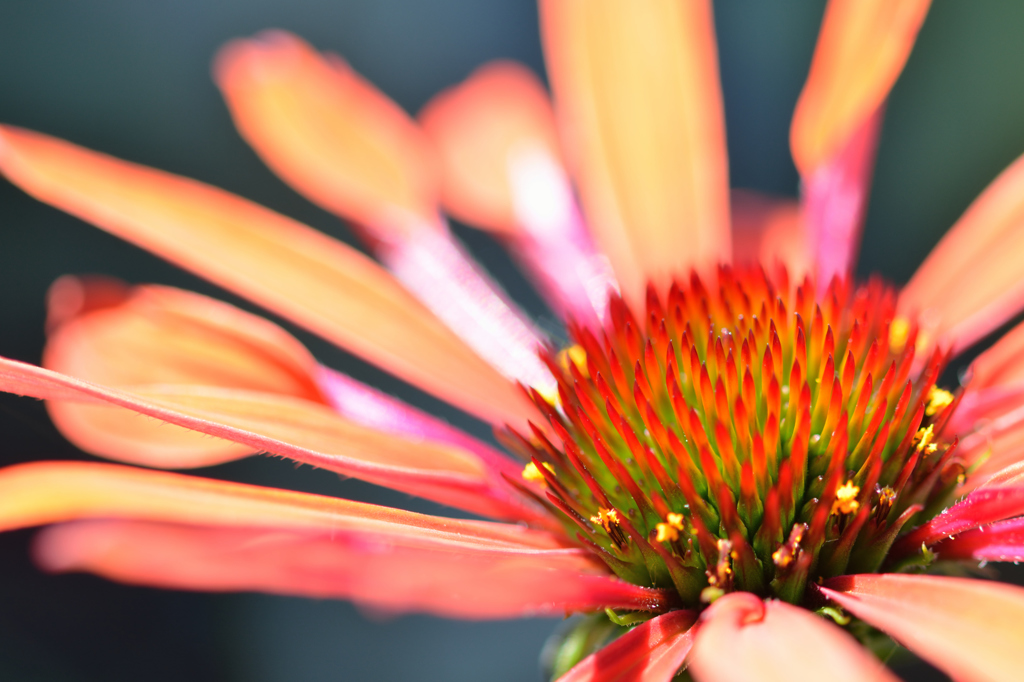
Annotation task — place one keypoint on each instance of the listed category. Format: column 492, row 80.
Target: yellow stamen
column 923, row 440
column 846, row 499
column 666, row 533
column 532, row 474
column 606, row 518
column 577, row 355
column 938, row 400
column 782, row 557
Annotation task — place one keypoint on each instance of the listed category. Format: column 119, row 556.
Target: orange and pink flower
column 741, row 453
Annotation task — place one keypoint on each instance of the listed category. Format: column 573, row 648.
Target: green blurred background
column 132, row 79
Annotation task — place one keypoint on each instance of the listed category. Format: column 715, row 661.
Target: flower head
column 740, row 461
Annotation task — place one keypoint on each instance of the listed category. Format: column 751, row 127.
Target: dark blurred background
column 132, row 79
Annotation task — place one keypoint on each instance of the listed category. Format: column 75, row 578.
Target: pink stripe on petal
column 651, row 652
column 373, row 571
column 437, row 270
column 370, row 407
column 1002, row 541
column 740, row 638
column 834, row 198
column 971, row 629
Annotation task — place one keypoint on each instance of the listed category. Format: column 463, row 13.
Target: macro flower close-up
column 725, row 451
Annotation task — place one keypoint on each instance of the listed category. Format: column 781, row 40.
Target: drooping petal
column 328, row 132
column 1002, row 541
column 636, row 87
column 768, row 230
column 981, row 507
column 861, row 50
column 971, row 629
column 346, row 146
column 372, row 570
column 743, row 639
column 972, row 281
column 41, row 493
column 290, row 269
column 299, row 429
column 994, row 383
column 160, row 335
column 501, row 170
column 651, row 652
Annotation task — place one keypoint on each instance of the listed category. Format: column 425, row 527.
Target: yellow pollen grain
column 782, row 557
column 532, row 474
column 606, row 518
column 666, row 533
column 899, row 331
column 577, row 355
column 938, row 399
column 923, row 439
column 846, row 499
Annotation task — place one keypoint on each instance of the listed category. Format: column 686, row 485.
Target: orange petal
column 972, row 281
column 636, row 87
column 41, row 493
column 287, row 267
column 971, row 629
column 742, row 639
column 1002, row 364
column 651, row 652
column 302, row 430
column 861, row 50
column 326, row 131
column 461, row 582
column 478, row 127
column 160, row 335
column 768, row 230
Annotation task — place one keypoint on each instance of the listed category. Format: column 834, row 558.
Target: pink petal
column 371, row 569
column 299, row 429
column 637, row 92
column 287, row 267
column 972, row 281
column 1003, row 541
column 971, row 629
column 651, row 652
column 983, row 506
column 743, row 639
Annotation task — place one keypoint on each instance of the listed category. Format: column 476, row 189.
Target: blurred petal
column 972, row 281
column 743, row 639
column 349, row 148
column 304, row 431
column 41, row 493
column 636, row 87
column 377, row 570
column 995, row 446
column 160, row 335
column 501, row 170
column 287, row 267
column 861, row 50
column 477, row 127
column 981, row 507
column 326, row 131
column 1003, row 541
column 651, row 652
column 971, row 629
column 768, row 230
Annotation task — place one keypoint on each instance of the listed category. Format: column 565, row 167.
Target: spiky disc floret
column 752, row 436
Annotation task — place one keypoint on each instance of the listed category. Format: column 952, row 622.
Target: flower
column 821, row 463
